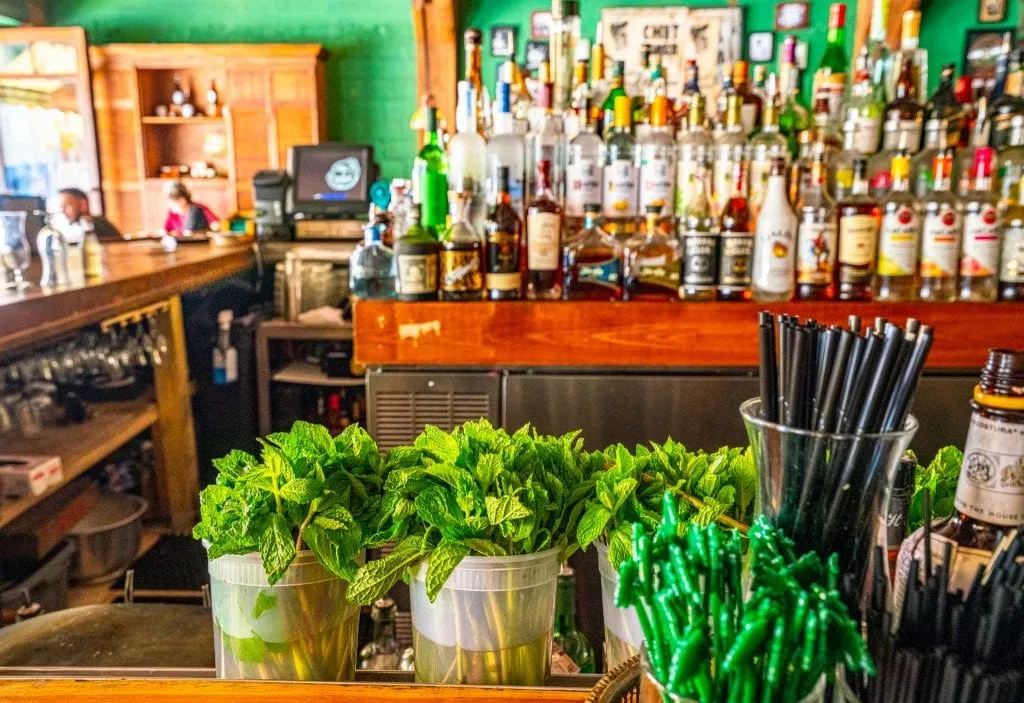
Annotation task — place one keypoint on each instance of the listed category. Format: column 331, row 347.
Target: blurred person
column 74, row 205
column 184, row 215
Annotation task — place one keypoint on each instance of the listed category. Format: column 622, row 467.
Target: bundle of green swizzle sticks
column 706, row 642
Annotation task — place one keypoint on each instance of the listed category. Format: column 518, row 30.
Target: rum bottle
column 504, row 231
column 546, row 141
column 656, row 155
column 698, row 231
column 593, row 261
column 935, row 141
column 859, row 221
column 763, row 148
column 940, row 236
column 620, row 196
column 416, row 261
column 735, row 247
column 543, row 240
column 506, row 149
column 900, row 239
column 462, row 252
column 816, row 237
column 979, row 261
column 773, row 277
column 1011, row 269
column 652, row 262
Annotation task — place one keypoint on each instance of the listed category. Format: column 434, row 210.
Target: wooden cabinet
column 271, row 97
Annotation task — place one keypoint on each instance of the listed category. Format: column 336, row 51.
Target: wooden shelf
column 643, row 334
column 197, row 120
column 102, row 593
column 193, row 182
column 80, row 447
column 305, row 373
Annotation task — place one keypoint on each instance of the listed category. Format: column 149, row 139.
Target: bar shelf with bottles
column 877, row 192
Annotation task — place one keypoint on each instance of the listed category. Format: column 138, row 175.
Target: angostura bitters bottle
column 900, row 238
column 543, row 240
column 593, row 261
column 816, row 237
column 503, row 229
column 859, row 222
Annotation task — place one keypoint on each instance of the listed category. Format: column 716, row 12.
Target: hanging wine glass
column 15, row 252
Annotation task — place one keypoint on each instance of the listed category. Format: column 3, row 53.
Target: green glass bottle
column 608, row 106
column 430, row 180
column 831, row 74
column 573, row 642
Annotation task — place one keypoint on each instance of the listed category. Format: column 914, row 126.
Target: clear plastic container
column 491, row 624
column 300, row 629
column 622, row 634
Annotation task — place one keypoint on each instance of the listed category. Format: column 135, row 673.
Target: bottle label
column 895, row 130
column 940, row 243
column 748, row 117
column 774, row 256
column 1012, row 270
column 658, row 271
column 897, row 246
column 734, row 265
column 417, row 274
column 686, row 182
column 583, row 187
column 722, row 183
column 981, row 243
column 816, row 253
column 991, row 486
column 858, row 237
column 543, row 245
column 503, row 261
column 607, row 273
column 460, row 271
column 657, row 181
column 895, row 520
column 868, row 131
column 759, row 172
column 700, row 259
column 835, row 85
column 620, row 189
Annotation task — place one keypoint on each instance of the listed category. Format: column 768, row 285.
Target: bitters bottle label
column 991, row 486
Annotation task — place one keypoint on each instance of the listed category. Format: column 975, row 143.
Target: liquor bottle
column 593, row 261
column 698, row 231
column 831, row 73
column 965, row 96
column 841, row 178
column 696, row 154
column 212, row 100
column 225, row 355
column 383, row 652
column 92, row 253
column 793, row 117
column 188, row 108
column 730, row 146
column 727, row 90
column 565, row 32
column 943, row 105
column 751, row 104
column 775, row 241
column 467, row 156
column 619, row 201
column 904, row 115
column 462, row 252
column 522, row 101
column 940, row 236
column 615, row 90
column 566, row 635
column 879, row 58
column 371, row 270
column 963, row 161
column 1011, row 160
column 506, row 149
column 898, row 510
column 473, row 46
column 598, row 83
column 735, row 245
column 652, row 262
column 655, row 85
column 1011, row 270
column 579, row 109
column 900, row 238
column 879, row 165
column 816, row 236
column 760, row 80
column 1005, row 101
column 546, row 142
column 800, row 170
column 859, row 221
column 656, row 155
column 504, row 231
column 543, row 239
column 763, row 148
column 691, row 87
column 584, row 172
column 979, row 261
column 177, row 96
column 864, row 108
column 416, row 261
column 910, row 57
column 936, row 137
column 430, row 179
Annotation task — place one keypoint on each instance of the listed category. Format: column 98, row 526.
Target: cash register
column 330, row 194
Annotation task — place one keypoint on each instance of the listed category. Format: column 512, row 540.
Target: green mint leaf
column 302, row 490
column 488, row 466
column 376, row 578
column 443, row 560
column 317, row 436
column 264, row 602
column 485, row 547
column 592, row 524
column 620, row 546
column 437, row 506
column 605, row 495
column 452, row 475
column 505, row 508
column 233, row 465
column 277, row 550
column 438, row 444
column 623, row 490
column 333, row 518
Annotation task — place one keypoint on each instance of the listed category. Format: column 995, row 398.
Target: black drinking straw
column 769, row 372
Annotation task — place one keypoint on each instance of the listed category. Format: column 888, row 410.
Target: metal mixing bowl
column 107, row 538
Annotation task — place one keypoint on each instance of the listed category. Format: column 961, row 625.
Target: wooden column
column 434, row 26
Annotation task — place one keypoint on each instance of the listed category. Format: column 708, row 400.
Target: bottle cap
column 1003, row 373
column 592, row 208
column 619, row 69
column 983, row 162
column 659, row 111
column 582, row 49
column 911, row 28
column 473, row 37
column 623, row 111
column 837, row 16
column 900, row 167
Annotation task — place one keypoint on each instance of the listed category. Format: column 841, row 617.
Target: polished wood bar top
column 644, row 334
column 135, row 274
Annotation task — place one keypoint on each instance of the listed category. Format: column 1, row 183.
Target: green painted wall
column 370, row 74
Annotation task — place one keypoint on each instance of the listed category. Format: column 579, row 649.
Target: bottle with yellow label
column 898, row 243
column 462, row 249
column 859, row 221
column 940, row 235
column 619, row 201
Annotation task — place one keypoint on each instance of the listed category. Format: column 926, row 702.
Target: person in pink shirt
column 185, row 216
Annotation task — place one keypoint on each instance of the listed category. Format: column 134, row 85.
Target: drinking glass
column 15, row 252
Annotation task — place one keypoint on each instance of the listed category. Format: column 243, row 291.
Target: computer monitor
column 331, row 180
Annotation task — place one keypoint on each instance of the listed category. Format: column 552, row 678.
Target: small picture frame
column 991, row 11
column 503, row 40
column 790, row 16
column 982, row 48
column 540, row 24
column 537, row 52
column 761, row 47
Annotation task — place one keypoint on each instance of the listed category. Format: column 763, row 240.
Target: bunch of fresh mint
column 630, row 487
column 476, row 490
column 940, row 478
column 306, row 489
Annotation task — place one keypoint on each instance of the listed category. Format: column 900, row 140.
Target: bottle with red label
column 940, row 236
column 979, row 261
column 898, row 243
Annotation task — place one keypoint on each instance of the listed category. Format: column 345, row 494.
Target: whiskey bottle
column 620, row 189
column 859, row 222
column 775, row 241
column 543, row 240
column 1011, row 270
column 416, row 261
column 979, row 262
column 652, row 262
column 940, row 236
column 461, row 252
column 816, row 237
column 943, row 105
column 504, row 232
column 593, row 261
column 896, row 275
column 698, row 231
column 735, row 247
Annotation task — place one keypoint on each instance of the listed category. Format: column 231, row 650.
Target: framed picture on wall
column 980, row 52
column 761, row 47
column 503, row 40
column 540, row 24
column 792, row 15
column 991, row 10
column 536, row 53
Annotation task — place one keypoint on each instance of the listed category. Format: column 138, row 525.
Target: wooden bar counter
column 641, row 335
